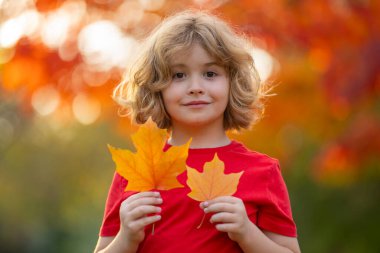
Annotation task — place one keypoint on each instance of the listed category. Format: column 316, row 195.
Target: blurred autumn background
column 59, row 61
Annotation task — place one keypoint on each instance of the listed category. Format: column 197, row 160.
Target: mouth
column 196, row 103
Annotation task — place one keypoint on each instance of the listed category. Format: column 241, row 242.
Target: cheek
column 172, row 94
column 169, row 98
column 223, row 94
column 166, row 95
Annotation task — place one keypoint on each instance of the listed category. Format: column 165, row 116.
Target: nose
column 195, row 86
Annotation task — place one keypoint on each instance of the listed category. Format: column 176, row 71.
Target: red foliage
column 328, row 53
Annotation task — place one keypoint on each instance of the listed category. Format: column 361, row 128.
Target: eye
column 210, row 74
column 178, row 75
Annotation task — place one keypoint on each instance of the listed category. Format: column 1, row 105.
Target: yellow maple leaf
column 212, row 182
column 150, row 168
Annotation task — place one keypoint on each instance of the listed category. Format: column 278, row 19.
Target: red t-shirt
column 261, row 187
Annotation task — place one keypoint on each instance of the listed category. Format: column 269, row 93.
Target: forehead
column 194, row 54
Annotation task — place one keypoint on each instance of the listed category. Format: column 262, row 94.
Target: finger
column 143, row 194
column 220, row 207
column 225, row 199
column 143, row 222
column 227, row 227
column 223, row 218
column 130, row 205
column 142, row 198
column 143, row 211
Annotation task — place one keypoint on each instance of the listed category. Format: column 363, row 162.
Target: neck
column 202, row 137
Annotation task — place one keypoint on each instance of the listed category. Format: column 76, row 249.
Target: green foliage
column 343, row 220
column 53, row 185
column 54, row 182
column 323, row 124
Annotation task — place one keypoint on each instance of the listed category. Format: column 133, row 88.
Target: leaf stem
column 203, row 218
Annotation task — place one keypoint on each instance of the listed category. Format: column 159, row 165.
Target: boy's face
column 198, row 93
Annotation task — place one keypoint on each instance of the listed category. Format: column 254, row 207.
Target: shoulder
column 261, row 171
column 239, row 151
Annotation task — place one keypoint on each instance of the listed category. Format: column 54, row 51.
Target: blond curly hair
column 140, row 91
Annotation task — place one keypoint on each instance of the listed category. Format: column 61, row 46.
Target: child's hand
column 230, row 216
column 138, row 211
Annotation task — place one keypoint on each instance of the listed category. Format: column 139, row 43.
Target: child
column 196, row 78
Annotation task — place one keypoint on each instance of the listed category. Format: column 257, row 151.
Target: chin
column 200, row 122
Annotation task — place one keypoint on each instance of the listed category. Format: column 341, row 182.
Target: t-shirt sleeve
column 111, row 220
column 275, row 214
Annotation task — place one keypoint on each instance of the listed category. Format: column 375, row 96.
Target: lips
column 199, row 102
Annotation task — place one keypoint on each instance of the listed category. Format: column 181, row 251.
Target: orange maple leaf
column 212, row 182
column 150, row 167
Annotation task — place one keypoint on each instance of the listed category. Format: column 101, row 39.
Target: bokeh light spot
column 55, row 28
column 11, row 8
column 86, row 109
column 31, row 21
column 152, row 5
column 10, row 32
column 103, row 45
column 59, row 23
column 129, row 14
column 26, row 24
column 264, row 63
column 45, row 100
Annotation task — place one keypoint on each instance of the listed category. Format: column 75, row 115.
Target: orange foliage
column 327, row 65
column 24, row 73
column 341, row 161
column 48, row 5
